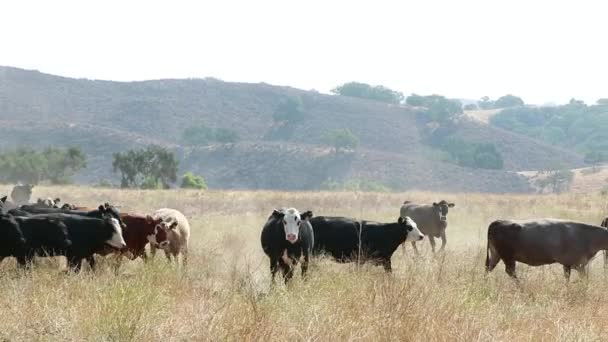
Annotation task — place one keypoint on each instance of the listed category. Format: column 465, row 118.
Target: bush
column 438, row 107
column 366, row 91
column 340, row 139
column 226, row 136
column 289, row 110
column 471, row 106
column 474, row 155
column 508, row 101
column 190, row 181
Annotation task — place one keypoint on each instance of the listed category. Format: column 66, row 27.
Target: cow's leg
column 415, row 248
column 605, row 260
column 185, row 256
column 168, row 255
column 387, row 265
column 274, row 267
column 305, row 265
column 286, row 269
column 582, row 271
column 444, row 241
column 567, row 269
column 510, row 268
column 432, row 242
column 152, row 251
column 74, row 263
column 91, row 261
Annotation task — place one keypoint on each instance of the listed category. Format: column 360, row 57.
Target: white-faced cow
column 286, row 237
column 542, row 242
column 349, row 240
column 431, row 220
column 178, row 234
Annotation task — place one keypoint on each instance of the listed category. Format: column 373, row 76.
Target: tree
column 226, row 136
column 555, row 180
column 191, row 181
column 485, row 103
column 508, row 101
column 289, row 111
column 470, row 106
column 340, row 139
column 53, row 164
column 439, row 108
column 365, row 91
column 151, row 167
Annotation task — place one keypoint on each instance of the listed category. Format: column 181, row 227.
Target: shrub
column 289, row 110
column 191, row 181
column 366, row 91
column 341, row 139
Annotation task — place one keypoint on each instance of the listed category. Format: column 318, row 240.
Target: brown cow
column 542, row 242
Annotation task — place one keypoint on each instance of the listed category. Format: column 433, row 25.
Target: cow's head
column 413, row 233
column 441, row 209
column 159, row 237
column 116, row 240
column 291, row 221
column 108, row 210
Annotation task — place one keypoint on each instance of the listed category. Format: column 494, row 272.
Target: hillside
column 103, row 117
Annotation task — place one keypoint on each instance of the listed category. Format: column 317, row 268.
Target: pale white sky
column 539, row 50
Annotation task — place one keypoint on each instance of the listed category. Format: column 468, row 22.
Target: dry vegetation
column 225, row 294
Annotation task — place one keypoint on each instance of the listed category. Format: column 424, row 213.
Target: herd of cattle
column 44, row 229
column 288, row 237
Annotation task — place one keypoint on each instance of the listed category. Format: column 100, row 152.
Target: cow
column 348, row 240
column 539, row 242
column 22, row 193
column 48, row 202
column 177, row 229
column 141, row 230
column 12, row 241
column 89, row 236
column 431, row 220
column 286, row 237
column 28, row 210
column 6, row 205
column 44, row 236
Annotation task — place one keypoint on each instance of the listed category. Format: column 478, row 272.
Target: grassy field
column 225, row 293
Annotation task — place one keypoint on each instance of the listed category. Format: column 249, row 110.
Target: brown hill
column 105, row 117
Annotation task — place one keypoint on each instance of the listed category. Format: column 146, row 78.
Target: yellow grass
column 225, row 293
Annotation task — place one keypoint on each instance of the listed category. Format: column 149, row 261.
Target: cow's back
column 338, row 236
column 424, row 216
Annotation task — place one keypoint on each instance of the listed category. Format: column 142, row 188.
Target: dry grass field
column 225, row 293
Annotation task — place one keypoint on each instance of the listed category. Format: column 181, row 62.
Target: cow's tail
column 488, row 255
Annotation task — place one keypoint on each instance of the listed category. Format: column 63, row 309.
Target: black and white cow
column 348, row 240
column 286, row 237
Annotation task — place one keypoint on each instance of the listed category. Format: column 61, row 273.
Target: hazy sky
column 540, row 50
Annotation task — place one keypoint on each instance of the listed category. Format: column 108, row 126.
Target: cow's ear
column 451, row 205
column 400, row 220
column 149, row 219
column 3, row 199
column 435, row 204
column 277, row 213
column 306, row 215
column 101, row 208
column 107, row 205
column 57, row 200
column 173, row 225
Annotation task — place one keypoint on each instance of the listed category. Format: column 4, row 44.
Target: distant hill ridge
column 103, row 117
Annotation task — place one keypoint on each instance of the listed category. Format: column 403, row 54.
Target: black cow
column 44, row 237
column 286, row 237
column 12, row 242
column 103, row 210
column 349, row 240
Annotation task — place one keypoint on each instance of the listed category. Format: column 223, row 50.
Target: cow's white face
column 291, row 224
column 116, row 241
column 413, row 233
column 159, row 238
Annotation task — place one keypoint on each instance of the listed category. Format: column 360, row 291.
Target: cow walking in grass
column 286, row 238
column 542, row 242
column 432, row 220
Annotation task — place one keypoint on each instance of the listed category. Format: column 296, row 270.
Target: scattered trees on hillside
column 150, row 168
column 340, row 139
column 439, row 108
column 555, row 181
column 473, row 155
column 53, row 164
column 572, row 125
column 201, row 135
column 365, row 91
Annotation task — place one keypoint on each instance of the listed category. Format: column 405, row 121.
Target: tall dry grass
column 225, row 294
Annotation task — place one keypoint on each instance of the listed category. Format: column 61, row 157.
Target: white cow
column 178, row 234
